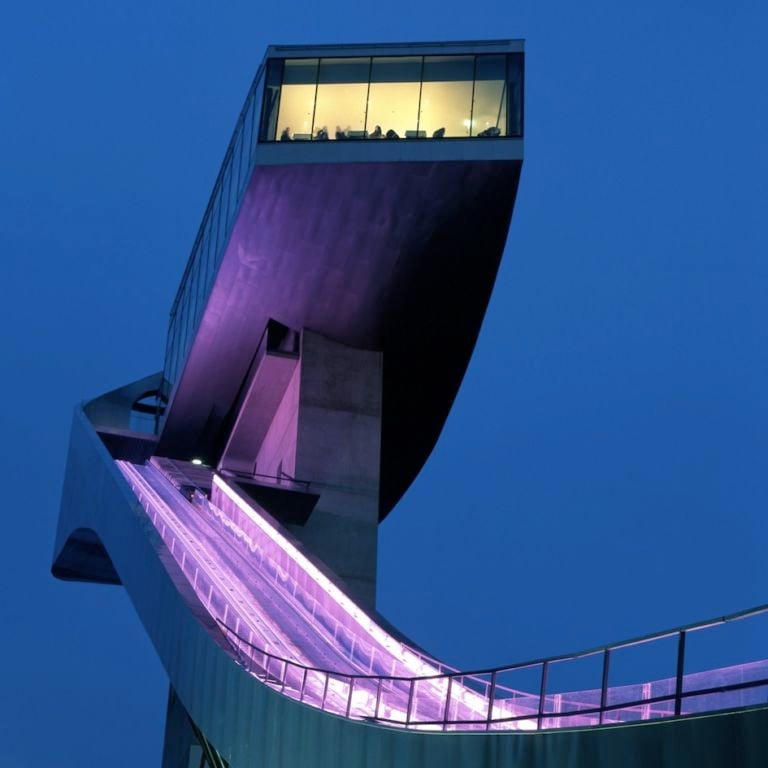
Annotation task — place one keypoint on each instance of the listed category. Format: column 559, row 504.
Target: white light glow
column 406, row 656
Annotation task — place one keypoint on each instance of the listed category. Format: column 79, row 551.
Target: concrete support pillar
column 327, row 431
column 180, row 747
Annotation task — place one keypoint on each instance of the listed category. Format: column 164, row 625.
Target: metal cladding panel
column 251, row 725
column 452, row 47
column 398, row 257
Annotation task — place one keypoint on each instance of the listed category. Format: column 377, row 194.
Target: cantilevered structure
column 320, row 333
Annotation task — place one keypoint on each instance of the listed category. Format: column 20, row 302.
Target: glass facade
column 393, row 97
column 208, row 248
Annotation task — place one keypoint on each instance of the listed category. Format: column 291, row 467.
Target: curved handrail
column 692, row 627
column 538, row 716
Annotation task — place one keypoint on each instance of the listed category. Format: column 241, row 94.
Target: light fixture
column 197, row 461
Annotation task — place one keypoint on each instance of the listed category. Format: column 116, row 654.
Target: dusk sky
column 603, row 471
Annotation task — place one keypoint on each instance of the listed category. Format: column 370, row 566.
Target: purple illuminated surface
column 278, row 264
column 294, row 629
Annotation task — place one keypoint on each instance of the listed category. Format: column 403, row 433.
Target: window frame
column 513, row 60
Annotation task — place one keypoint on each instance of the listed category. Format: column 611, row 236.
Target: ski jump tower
column 318, row 338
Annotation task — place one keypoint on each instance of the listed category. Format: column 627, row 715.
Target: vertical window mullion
column 421, row 88
column 265, row 118
column 506, row 94
column 250, row 137
column 314, row 102
column 277, row 103
column 254, row 127
column 238, row 155
column 216, row 217
column 224, row 210
column 368, row 96
column 472, row 102
column 521, row 89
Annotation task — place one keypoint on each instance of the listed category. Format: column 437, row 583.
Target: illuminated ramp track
column 275, row 666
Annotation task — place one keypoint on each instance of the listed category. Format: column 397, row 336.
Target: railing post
column 542, row 693
column 349, row 695
column 604, row 685
column 325, row 692
column 446, row 710
column 491, row 696
column 303, row 684
column 378, row 699
column 285, row 676
column 410, row 703
column 679, row 674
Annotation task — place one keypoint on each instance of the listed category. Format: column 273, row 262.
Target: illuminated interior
column 393, row 97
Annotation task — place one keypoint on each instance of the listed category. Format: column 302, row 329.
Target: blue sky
column 603, row 471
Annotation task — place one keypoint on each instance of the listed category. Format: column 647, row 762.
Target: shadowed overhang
column 393, row 254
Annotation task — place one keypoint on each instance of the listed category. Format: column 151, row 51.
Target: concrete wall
column 327, row 431
column 338, row 449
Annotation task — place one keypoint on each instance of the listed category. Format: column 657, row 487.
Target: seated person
column 390, row 134
column 376, row 133
column 342, row 135
column 439, row 133
column 322, row 134
column 491, row 132
column 286, row 134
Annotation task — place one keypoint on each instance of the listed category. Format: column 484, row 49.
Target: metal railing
column 476, row 699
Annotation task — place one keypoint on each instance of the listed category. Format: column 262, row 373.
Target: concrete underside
column 394, row 257
column 251, row 725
